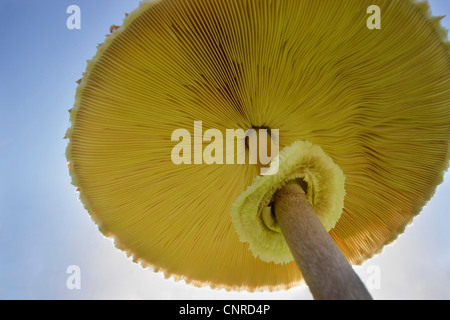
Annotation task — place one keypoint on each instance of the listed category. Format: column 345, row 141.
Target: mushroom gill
column 376, row 102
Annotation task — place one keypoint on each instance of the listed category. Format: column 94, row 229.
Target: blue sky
column 44, row 228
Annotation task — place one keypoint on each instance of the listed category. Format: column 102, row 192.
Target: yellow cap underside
column 376, row 101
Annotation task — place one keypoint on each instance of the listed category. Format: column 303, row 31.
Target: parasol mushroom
column 364, row 126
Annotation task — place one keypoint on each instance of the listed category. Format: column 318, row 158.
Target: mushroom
column 362, row 114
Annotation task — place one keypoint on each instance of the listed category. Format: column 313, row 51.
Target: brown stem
column 324, row 268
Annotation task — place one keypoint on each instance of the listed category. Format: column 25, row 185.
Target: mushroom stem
column 325, row 269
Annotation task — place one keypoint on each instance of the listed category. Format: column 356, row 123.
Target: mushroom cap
column 376, row 102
